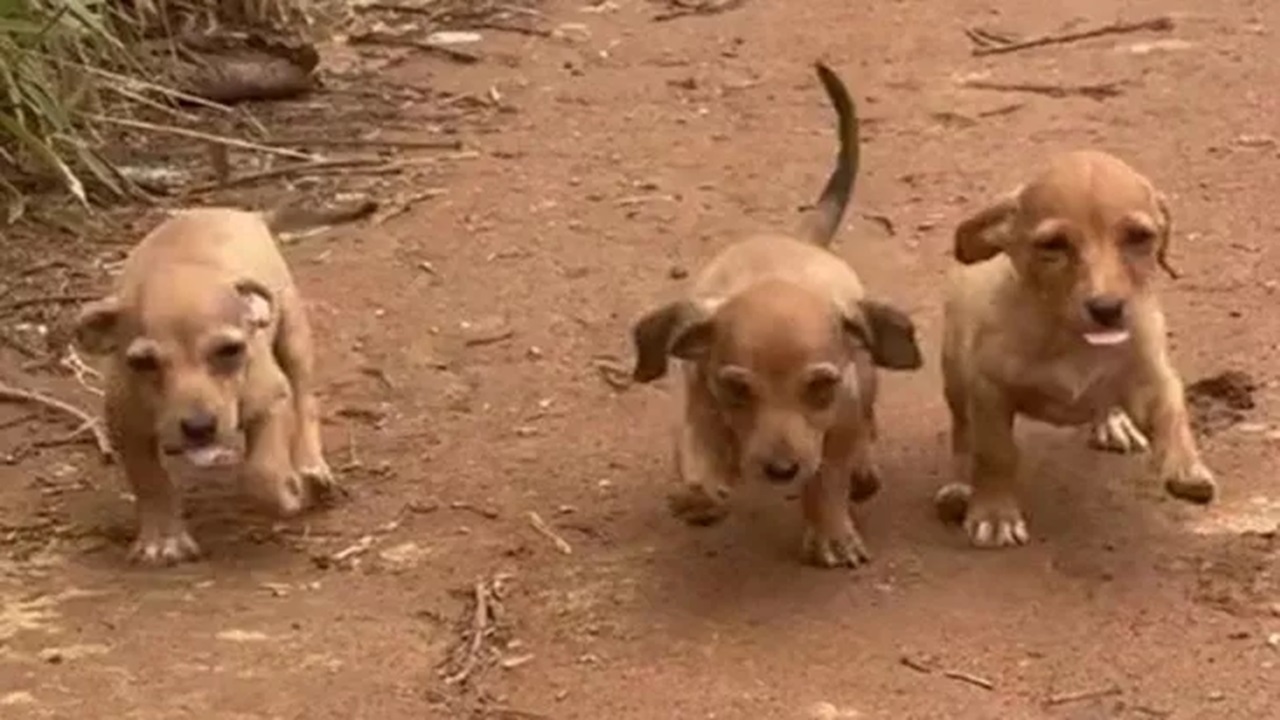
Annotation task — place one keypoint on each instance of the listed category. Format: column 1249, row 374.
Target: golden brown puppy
column 206, row 337
column 779, row 346
column 1054, row 318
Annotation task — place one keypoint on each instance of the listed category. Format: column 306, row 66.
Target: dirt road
column 463, row 398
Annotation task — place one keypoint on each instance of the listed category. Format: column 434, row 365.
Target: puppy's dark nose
column 781, row 471
column 1106, row 310
column 199, row 428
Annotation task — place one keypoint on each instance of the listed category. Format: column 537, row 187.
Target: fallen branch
column 480, row 629
column 708, row 7
column 372, row 38
column 373, row 142
column 545, row 530
column 65, row 299
column 1159, row 24
column 285, row 170
column 975, row 680
column 1097, row 91
column 196, row 134
column 18, row 345
column 1081, row 695
column 88, row 423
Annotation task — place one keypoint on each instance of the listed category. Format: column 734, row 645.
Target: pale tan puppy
column 206, row 337
column 779, row 346
column 1054, row 318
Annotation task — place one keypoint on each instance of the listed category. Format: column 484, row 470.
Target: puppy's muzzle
column 781, row 471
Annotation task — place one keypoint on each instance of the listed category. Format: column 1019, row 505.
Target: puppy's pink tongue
column 210, row 457
column 1109, row 337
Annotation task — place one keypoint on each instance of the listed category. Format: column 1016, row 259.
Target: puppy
column 778, row 346
column 1054, row 317
column 206, row 337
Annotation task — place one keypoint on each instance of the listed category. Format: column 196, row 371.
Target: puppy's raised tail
column 296, row 218
column 821, row 225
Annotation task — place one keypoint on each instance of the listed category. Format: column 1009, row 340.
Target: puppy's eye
column 734, row 391
column 228, row 355
column 143, row 363
column 1054, row 244
column 820, row 391
column 1139, row 238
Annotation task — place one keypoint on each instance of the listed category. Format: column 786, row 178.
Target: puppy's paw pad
column 995, row 524
column 1117, row 433
column 164, row 550
column 951, row 502
column 1195, row 485
column 840, row 549
column 695, row 507
column 864, row 484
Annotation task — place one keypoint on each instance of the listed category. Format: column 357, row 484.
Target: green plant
column 69, row 67
column 46, row 50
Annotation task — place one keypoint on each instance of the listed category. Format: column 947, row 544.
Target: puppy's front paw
column 321, row 485
column 159, row 549
column 835, row 547
column 991, row 520
column 696, row 506
column 1193, row 484
column 1117, row 433
column 277, row 491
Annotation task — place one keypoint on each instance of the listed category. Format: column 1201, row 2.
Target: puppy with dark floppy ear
column 1054, row 317
column 778, row 346
column 206, row 337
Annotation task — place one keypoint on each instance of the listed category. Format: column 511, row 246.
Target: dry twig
column 373, row 38
column 1080, row 695
column 1095, row 91
column 65, row 299
column 545, row 530
column 481, row 627
column 286, row 170
column 975, row 680
column 373, row 142
column 88, row 423
column 683, row 8
column 1159, row 24
column 197, row 135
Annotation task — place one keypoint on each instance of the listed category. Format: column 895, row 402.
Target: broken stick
column 708, row 7
column 1095, row 91
column 545, row 530
column 88, row 423
column 1159, row 24
column 480, row 629
column 1082, row 695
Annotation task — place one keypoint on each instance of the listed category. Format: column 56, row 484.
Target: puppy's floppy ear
column 987, row 233
column 681, row 328
column 1165, row 222
column 95, row 326
column 259, row 303
column 888, row 333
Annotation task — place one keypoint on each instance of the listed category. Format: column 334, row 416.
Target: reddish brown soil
column 633, row 155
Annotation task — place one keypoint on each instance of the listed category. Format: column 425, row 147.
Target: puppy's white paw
column 1194, row 484
column 840, row 548
column 322, row 486
column 995, row 521
column 156, row 549
column 1117, row 433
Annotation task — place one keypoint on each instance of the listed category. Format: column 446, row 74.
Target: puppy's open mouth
column 210, row 456
column 1107, row 337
